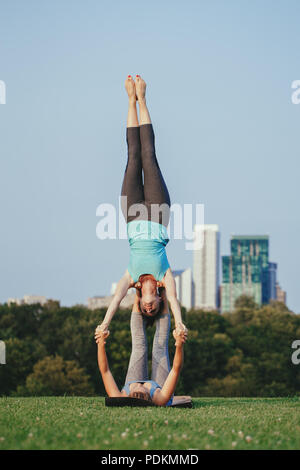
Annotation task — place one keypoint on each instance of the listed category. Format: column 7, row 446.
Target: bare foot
column 140, row 86
column 130, row 88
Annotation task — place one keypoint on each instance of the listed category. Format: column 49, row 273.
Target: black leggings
column 149, row 200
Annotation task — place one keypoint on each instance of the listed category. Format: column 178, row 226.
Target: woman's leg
column 160, row 352
column 138, row 364
column 155, row 189
column 132, row 187
column 156, row 193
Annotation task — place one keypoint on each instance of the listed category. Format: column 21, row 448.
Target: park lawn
column 213, row 423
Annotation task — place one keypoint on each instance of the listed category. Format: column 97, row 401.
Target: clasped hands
column 180, row 333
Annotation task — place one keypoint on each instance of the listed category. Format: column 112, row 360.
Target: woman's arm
column 163, row 295
column 170, row 286
column 121, row 290
column 169, row 386
column 110, row 385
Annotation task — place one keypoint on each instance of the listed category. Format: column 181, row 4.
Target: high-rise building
column 206, row 266
column 184, row 287
column 248, row 271
column 272, row 281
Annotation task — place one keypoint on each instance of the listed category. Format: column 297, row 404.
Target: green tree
column 243, row 353
column 21, row 354
column 52, row 376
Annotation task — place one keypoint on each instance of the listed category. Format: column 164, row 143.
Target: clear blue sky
column 219, row 77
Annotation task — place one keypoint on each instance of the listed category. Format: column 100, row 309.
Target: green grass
column 213, row 423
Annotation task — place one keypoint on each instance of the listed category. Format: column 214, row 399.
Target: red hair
column 148, row 277
column 151, row 278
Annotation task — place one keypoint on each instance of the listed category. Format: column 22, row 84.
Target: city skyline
column 247, row 270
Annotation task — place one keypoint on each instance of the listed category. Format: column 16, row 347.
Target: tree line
column 50, row 350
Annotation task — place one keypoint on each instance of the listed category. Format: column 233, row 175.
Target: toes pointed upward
column 130, row 86
column 140, row 87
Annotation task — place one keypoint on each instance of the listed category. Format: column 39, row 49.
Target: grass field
column 213, row 423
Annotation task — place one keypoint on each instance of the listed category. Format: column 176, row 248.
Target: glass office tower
column 247, row 271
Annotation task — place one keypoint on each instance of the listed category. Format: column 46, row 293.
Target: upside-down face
column 150, row 299
column 137, row 390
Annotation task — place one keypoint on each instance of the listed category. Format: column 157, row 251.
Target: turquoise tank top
column 147, row 242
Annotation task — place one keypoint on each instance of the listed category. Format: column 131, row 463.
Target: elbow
column 162, row 400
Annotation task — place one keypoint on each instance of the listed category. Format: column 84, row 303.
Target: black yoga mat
column 178, row 402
